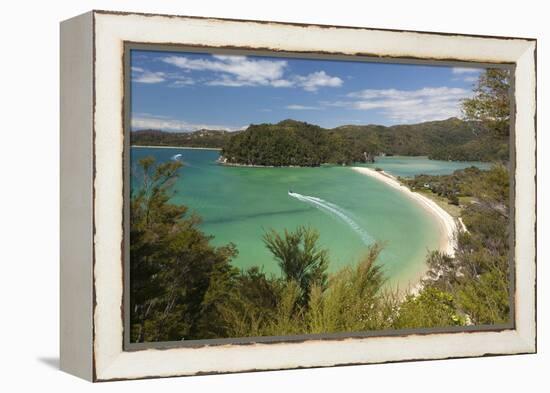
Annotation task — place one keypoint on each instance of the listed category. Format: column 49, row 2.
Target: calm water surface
column 350, row 210
column 411, row 166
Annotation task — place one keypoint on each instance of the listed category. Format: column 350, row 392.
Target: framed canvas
column 245, row 195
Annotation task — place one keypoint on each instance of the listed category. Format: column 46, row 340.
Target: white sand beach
column 447, row 224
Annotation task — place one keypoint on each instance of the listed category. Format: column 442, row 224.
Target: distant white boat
column 177, row 157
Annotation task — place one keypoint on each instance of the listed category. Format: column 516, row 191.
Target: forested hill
column 451, row 139
column 291, row 142
column 296, row 143
column 202, row 138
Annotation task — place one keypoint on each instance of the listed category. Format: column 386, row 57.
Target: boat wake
column 336, row 211
column 177, row 157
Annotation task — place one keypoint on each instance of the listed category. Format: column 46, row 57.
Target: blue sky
column 176, row 91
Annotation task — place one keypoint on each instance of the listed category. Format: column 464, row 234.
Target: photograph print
column 277, row 197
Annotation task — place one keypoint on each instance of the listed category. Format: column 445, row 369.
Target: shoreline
column 176, row 147
column 447, row 224
column 222, row 161
column 230, row 164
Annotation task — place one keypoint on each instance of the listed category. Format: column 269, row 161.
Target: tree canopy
column 489, row 108
column 174, row 270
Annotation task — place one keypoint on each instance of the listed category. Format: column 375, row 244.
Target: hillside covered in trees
column 215, row 139
column 452, row 139
column 295, row 143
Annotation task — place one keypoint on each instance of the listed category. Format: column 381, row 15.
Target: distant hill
column 292, row 142
column 295, row 143
column 201, row 138
column 451, row 139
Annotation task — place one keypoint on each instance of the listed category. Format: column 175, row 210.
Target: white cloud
column 237, row 71
column 317, row 79
column 147, row 121
column 470, row 79
column 282, row 83
column 302, row 107
column 468, row 75
column 408, row 106
column 464, row 70
column 146, row 114
column 181, row 81
column 143, row 76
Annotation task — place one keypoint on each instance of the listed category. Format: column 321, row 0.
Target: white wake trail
column 336, row 211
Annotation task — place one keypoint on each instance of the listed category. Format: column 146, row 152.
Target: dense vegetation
column 488, row 116
column 449, row 139
column 184, row 288
column 477, row 278
column 453, row 187
column 202, row 138
column 490, row 108
column 173, row 267
column 296, row 143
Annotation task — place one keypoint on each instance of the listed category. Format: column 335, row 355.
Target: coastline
column 447, row 224
column 222, row 163
column 175, row 147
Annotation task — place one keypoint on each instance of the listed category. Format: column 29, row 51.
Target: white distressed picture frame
column 92, row 151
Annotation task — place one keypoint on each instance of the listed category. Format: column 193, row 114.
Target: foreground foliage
column 174, row 270
column 479, row 274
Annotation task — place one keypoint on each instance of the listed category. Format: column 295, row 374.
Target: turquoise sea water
column 350, row 210
column 411, row 166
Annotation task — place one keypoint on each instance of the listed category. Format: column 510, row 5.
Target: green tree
column 251, row 304
column 443, row 271
column 431, row 308
column 486, row 299
column 299, row 257
column 477, row 276
column 353, row 301
column 173, row 267
column 490, row 105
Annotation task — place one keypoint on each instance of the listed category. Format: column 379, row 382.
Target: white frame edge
column 112, row 30
column 76, row 175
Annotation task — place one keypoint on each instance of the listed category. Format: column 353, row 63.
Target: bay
column 351, row 211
